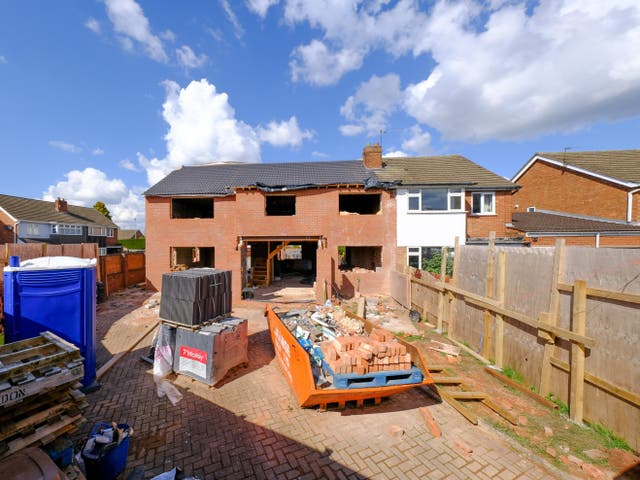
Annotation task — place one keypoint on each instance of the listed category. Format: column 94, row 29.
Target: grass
column 563, row 408
column 133, row 244
column 513, row 374
column 610, row 439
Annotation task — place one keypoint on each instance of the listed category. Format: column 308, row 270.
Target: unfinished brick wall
column 317, row 214
column 550, row 187
column 6, row 234
column 479, row 226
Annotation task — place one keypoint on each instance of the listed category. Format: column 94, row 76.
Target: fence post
column 502, row 276
column 552, row 318
column 488, row 290
column 454, row 282
column 579, row 321
column 125, row 269
column 443, row 274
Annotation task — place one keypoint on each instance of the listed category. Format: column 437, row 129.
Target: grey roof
column 28, row 209
column 222, row 178
column 441, row 170
column 560, row 222
column 619, row 164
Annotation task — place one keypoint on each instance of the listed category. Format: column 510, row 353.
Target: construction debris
column 444, row 348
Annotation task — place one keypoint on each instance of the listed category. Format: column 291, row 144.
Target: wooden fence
column 120, row 271
column 566, row 318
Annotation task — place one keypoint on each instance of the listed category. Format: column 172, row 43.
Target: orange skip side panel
column 296, row 366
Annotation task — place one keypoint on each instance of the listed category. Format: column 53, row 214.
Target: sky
column 99, row 100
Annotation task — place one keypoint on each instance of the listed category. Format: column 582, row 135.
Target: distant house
column 129, row 234
column 340, row 217
column 588, row 198
column 25, row 220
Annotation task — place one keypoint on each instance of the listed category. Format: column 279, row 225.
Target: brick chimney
column 372, row 156
column 61, row 204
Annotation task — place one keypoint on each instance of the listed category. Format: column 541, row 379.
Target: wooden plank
column 468, row 395
column 579, row 316
column 504, row 379
column 500, row 293
column 464, row 411
column 444, row 348
column 604, row 294
column 40, row 434
column 552, row 320
column 9, row 429
column 500, row 411
column 487, row 338
column 453, row 283
column 443, row 273
column 602, row 384
column 445, row 380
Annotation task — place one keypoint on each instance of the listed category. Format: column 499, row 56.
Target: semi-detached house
column 335, row 223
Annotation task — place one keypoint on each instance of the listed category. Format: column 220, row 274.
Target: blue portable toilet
column 56, row 294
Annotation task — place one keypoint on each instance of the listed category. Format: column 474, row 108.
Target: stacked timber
column 39, row 396
column 358, row 354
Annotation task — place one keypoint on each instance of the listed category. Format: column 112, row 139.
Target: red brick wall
column 6, row 235
column 479, row 226
column 243, row 215
column 549, row 187
column 587, row 241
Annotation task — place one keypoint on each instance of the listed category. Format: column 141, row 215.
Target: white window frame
column 110, row 232
column 451, row 194
column 97, row 232
column 66, row 229
column 413, row 252
column 483, row 195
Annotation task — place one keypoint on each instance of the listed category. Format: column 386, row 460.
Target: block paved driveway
column 251, row 427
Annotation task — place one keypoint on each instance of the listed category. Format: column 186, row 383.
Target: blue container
column 51, row 295
column 109, row 462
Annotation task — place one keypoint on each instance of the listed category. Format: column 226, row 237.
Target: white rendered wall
column 427, row 229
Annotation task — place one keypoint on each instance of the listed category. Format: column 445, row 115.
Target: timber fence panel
column 400, row 288
column 469, row 319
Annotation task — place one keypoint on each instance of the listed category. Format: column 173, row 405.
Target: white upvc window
column 66, row 229
column 413, row 257
column 483, row 203
column 97, row 231
column 110, row 232
column 435, row 200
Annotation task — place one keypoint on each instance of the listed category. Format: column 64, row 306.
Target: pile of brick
column 378, row 352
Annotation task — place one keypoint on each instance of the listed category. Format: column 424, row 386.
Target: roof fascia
column 572, row 168
column 8, row 214
column 583, row 234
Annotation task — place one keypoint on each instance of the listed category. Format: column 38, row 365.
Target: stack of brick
column 378, row 352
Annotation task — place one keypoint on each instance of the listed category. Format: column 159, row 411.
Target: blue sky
column 101, row 99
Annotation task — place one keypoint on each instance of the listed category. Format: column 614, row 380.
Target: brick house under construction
column 335, row 222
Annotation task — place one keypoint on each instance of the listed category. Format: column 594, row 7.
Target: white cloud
column 317, row 65
column 167, row 35
column 93, row 25
column 86, row 187
column 317, row 154
column 65, row 146
column 395, row 153
column 129, row 165
column 97, row 151
column 568, row 64
column 130, row 22
column 260, row 7
column 231, row 16
column 202, row 129
column 351, row 130
column 374, row 101
column 188, row 59
column 283, row 133
column 419, row 142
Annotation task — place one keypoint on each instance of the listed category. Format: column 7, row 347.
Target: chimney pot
column 372, row 156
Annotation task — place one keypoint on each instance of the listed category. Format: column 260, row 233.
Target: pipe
column 597, row 240
column 630, row 203
column 15, row 232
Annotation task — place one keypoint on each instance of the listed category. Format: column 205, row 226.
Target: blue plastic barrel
column 107, row 463
column 57, row 295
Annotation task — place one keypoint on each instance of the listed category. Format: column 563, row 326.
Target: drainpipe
column 630, row 203
column 597, row 240
column 15, row 232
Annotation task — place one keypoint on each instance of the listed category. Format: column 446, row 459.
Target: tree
column 102, row 208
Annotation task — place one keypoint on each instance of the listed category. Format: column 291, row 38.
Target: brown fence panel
column 120, row 271
column 135, row 268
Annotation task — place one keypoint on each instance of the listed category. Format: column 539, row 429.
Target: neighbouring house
column 589, row 198
column 440, row 198
column 332, row 223
column 127, row 234
column 544, row 227
column 26, row 220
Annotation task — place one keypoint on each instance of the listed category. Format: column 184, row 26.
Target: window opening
column 280, row 205
column 367, row 258
column 192, row 257
column 483, row 203
column 192, row 208
column 363, row 204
